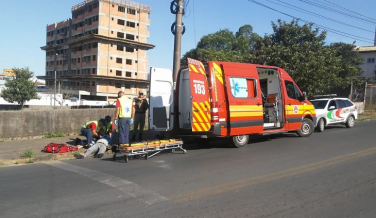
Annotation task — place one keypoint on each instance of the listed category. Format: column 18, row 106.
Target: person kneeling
column 99, row 147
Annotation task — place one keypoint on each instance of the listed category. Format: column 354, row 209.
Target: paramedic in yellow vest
column 91, row 129
column 110, row 127
column 124, row 112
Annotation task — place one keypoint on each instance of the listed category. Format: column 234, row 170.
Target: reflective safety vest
column 108, row 127
column 125, row 107
column 94, row 121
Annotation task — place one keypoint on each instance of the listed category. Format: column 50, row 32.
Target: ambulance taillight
column 214, row 112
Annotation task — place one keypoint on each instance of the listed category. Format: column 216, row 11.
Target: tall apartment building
column 100, row 50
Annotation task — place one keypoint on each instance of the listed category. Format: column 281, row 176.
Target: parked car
column 331, row 111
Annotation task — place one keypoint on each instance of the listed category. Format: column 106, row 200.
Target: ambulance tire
column 239, row 141
column 307, row 128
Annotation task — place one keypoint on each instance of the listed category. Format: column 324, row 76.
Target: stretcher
column 149, row 149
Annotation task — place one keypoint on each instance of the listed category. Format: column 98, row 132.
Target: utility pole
column 177, row 7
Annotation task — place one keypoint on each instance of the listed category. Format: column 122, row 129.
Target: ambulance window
column 243, row 87
column 292, row 91
column 251, row 85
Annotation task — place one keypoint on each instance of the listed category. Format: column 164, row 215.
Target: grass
column 28, row 153
column 55, row 135
column 2, row 140
column 367, row 115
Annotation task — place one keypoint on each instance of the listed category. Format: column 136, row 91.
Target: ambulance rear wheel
column 307, row 128
column 240, row 141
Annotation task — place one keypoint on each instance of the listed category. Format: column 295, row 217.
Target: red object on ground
column 59, row 148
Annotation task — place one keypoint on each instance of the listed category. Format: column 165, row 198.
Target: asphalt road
column 329, row 174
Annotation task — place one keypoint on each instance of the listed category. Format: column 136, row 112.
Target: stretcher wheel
column 126, row 159
column 114, row 157
column 146, row 156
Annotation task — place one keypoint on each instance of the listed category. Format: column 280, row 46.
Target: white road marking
column 130, row 188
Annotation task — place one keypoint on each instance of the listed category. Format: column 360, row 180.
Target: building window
column 78, row 60
column 128, row 49
column 122, row 22
column 371, row 60
column 129, row 36
column 128, row 74
column 93, row 83
column 94, row 58
column 131, row 24
column 118, row 85
column 121, row 9
column 127, row 86
column 118, row 73
column 120, row 48
column 47, row 63
column 94, row 71
column 120, row 35
column 95, row 45
column 120, row 60
column 128, row 62
column 131, row 11
column 78, row 71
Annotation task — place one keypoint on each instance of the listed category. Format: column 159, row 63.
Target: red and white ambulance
column 224, row 99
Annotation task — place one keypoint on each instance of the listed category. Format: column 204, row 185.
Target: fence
column 370, row 97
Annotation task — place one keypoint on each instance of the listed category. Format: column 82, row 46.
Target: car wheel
column 240, row 141
column 350, row 121
column 307, row 128
column 321, row 125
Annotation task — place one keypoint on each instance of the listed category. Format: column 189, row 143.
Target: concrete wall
column 36, row 123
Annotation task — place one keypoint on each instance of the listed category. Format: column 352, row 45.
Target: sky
column 24, row 22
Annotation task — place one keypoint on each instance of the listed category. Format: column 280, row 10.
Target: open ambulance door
column 201, row 114
column 161, row 100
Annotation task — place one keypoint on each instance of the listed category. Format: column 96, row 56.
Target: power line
column 336, row 11
column 345, row 9
column 293, row 7
column 359, row 38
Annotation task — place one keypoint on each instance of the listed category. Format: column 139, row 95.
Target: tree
column 20, row 89
column 301, row 51
column 224, row 45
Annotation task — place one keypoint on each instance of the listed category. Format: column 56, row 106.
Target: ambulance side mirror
column 303, row 97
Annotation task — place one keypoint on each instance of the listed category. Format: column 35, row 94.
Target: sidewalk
column 11, row 151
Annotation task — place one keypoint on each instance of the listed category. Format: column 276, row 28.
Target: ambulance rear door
column 161, row 99
column 201, row 116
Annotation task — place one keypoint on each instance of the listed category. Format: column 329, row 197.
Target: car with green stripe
column 332, row 111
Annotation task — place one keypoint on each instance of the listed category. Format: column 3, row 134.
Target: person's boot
column 140, row 137
column 133, row 139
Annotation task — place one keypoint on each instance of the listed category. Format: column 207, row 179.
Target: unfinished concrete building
column 100, row 50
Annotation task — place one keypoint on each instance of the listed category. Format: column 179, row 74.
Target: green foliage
column 300, row 49
column 55, row 135
column 224, row 45
column 28, row 153
column 20, row 89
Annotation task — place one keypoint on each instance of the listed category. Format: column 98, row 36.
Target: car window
column 348, row 103
column 332, row 103
column 319, row 104
column 341, row 104
column 292, row 91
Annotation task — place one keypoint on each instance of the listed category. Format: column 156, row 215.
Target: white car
column 331, row 111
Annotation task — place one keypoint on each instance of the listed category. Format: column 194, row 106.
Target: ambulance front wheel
column 240, row 141
column 307, row 128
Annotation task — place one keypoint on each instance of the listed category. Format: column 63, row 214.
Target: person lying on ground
column 98, row 148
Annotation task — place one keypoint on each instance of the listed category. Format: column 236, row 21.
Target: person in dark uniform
column 141, row 106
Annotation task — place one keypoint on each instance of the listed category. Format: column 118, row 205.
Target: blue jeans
column 88, row 133
column 124, row 127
